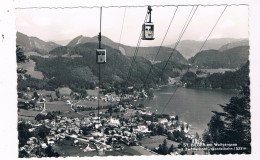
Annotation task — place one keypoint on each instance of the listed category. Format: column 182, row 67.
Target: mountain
column 82, row 39
column 234, row 44
column 34, row 44
column 188, row 48
column 230, row 58
column 82, row 71
column 146, row 52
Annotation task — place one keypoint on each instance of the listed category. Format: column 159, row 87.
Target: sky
column 65, row 24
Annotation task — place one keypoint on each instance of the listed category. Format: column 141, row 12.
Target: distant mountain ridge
column 34, row 44
column 83, row 70
column 146, row 52
column 188, row 48
column 210, row 58
column 230, row 58
column 234, row 44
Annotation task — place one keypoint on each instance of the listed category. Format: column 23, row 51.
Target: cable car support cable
column 179, row 39
column 188, row 20
column 134, row 57
column 195, row 57
column 151, row 67
column 208, row 36
column 99, row 46
column 119, row 42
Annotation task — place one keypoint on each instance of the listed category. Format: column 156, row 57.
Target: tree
column 86, row 130
column 171, row 136
column 23, row 133
column 216, row 127
column 106, row 131
column 177, row 118
column 57, row 93
column 50, row 152
column 35, row 95
column 171, row 149
column 43, row 132
column 160, row 130
column 197, row 135
column 164, row 147
column 23, row 154
column 20, row 57
column 207, row 137
column 182, row 127
column 233, row 124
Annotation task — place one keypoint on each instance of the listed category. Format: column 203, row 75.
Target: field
column 57, row 106
column 92, row 92
column 155, row 141
column 29, row 66
column 27, row 114
column 66, row 148
column 72, row 114
column 65, row 91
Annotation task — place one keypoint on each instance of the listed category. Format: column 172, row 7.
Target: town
column 121, row 127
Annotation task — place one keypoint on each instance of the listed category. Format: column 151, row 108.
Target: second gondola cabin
column 101, row 56
column 148, row 31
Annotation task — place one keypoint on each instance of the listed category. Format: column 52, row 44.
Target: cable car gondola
column 100, row 52
column 101, row 56
column 148, row 27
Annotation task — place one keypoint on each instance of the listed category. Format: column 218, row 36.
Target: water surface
column 193, row 106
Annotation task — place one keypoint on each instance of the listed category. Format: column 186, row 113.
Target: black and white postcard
column 132, row 79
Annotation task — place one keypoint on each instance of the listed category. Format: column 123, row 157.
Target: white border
column 8, row 120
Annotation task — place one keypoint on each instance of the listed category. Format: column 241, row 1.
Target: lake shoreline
column 192, row 105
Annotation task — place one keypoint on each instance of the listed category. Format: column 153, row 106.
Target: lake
column 193, row 106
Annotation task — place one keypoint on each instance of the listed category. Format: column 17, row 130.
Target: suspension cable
column 121, row 29
column 99, row 77
column 188, row 20
column 179, row 39
column 159, row 48
column 209, row 34
column 136, row 51
column 195, row 57
column 151, row 67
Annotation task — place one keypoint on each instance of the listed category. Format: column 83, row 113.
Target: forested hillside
column 230, row 58
column 146, row 52
column 227, row 80
column 83, row 71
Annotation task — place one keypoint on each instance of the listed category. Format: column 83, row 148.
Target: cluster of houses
column 100, row 137
column 106, row 98
column 102, row 133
